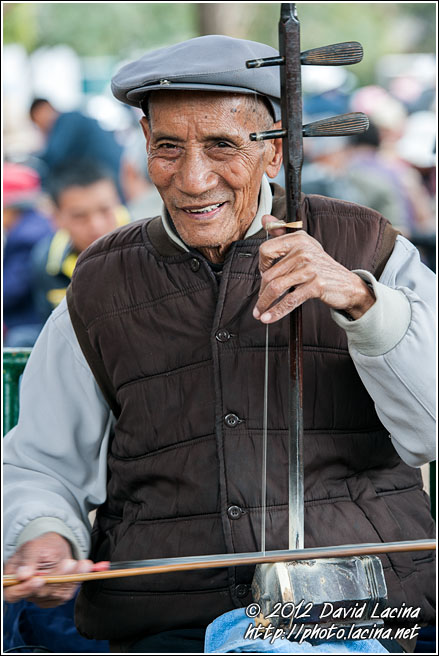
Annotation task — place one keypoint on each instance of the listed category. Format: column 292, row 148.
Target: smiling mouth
column 204, row 212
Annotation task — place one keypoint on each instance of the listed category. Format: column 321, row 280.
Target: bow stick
column 106, row 570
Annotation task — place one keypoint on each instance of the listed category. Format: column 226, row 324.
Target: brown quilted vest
column 181, row 359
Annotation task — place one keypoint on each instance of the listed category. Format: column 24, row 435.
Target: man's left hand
column 298, row 260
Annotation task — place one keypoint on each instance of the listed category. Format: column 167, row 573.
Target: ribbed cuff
column 383, row 326
column 38, row 527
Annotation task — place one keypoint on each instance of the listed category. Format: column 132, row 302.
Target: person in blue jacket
column 72, row 136
column 24, row 226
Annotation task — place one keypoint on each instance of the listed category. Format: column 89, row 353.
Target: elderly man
column 153, row 373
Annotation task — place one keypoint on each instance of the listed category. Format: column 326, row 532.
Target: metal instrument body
column 309, row 591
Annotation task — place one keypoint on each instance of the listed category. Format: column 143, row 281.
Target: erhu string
column 264, row 443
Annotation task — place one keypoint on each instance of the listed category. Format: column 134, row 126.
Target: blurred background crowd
column 74, row 160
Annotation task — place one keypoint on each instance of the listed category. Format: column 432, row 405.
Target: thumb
column 274, row 226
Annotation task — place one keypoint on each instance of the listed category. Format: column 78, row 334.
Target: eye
column 223, row 144
column 167, row 146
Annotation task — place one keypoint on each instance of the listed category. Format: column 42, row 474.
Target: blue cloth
column 24, row 623
column 75, row 136
column 29, row 229
column 226, row 635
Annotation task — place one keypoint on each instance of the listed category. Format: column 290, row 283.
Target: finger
column 23, row 590
column 53, row 595
column 34, row 585
column 25, row 572
column 279, row 247
column 286, row 266
column 289, row 303
column 274, row 226
column 85, row 566
column 65, row 566
column 273, row 290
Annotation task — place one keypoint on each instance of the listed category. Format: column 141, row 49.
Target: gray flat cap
column 207, row 63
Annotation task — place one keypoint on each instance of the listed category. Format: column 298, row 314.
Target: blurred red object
column 21, row 185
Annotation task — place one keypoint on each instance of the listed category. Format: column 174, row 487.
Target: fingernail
column 256, row 313
column 266, row 316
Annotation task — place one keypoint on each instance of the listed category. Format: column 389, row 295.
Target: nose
column 195, row 175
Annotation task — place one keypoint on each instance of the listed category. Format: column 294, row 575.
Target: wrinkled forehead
column 209, row 104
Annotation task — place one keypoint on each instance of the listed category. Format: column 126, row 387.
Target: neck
column 214, row 255
column 217, row 254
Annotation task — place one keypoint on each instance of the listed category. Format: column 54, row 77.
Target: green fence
column 14, row 361
column 433, row 488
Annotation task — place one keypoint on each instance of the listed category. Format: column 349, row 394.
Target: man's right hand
column 50, row 554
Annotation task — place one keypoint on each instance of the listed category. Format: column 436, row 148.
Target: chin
column 202, row 241
column 204, row 244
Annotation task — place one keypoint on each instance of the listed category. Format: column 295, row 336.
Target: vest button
column 241, row 590
column 235, row 512
column 223, row 335
column 231, row 420
column 195, row 264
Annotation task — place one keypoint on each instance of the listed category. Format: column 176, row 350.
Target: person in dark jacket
column 24, row 226
column 155, row 366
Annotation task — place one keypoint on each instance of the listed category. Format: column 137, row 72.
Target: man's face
column 204, row 165
column 87, row 213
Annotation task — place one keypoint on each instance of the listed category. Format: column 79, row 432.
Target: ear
column 275, row 161
column 146, row 129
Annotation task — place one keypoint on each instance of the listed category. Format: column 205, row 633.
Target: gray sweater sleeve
column 393, row 347
column 55, row 459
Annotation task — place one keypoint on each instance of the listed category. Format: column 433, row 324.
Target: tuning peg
column 337, row 126
column 267, row 61
column 269, row 134
column 337, row 54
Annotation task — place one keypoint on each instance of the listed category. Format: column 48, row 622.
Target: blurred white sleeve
column 393, row 347
column 55, row 459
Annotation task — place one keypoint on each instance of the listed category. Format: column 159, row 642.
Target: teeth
column 209, row 208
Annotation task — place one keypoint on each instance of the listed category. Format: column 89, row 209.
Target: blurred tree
column 20, row 24
column 102, row 28
column 223, row 18
column 380, row 27
column 125, row 29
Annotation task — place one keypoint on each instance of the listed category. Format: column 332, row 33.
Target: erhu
column 345, row 574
